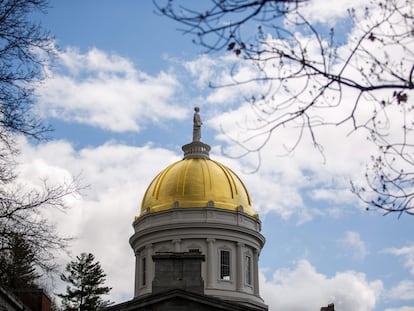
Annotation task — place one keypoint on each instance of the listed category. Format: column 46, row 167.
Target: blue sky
column 120, row 97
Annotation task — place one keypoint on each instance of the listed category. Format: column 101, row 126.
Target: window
column 143, row 271
column 248, row 269
column 224, row 265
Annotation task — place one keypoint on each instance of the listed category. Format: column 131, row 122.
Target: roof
column 178, row 299
column 6, row 297
column 196, row 181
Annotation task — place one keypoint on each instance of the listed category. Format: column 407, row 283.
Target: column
column 211, row 259
column 177, row 245
column 149, row 267
column 256, row 271
column 239, row 267
column 137, row 272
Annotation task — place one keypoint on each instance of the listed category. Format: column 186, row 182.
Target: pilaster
column 211, row 275
column 239, row 266
column 256, row 271
column 149, row 265
column 137, row 272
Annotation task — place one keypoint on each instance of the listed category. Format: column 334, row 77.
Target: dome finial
column 196, row 149
column 197, row 125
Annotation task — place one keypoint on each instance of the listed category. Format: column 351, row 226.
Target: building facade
column 197, row 239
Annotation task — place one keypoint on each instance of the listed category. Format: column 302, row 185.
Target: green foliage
column 85, row 278
column 17, row 268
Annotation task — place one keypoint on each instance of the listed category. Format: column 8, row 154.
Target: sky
column 120, row 96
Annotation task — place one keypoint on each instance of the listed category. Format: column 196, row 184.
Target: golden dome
column 197, row 182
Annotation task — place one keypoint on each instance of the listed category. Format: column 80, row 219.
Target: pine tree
column 85, row 277
column 17, row 264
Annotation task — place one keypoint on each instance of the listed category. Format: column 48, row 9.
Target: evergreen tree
column 17, row 264
column 85, row 278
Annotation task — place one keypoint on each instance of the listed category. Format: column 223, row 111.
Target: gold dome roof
column 197, row 182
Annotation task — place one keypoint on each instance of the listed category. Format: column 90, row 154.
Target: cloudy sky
column 120, row 96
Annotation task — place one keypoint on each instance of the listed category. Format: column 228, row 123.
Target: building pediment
column 179, row 300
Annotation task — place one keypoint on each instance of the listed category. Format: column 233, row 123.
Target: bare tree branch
column 308, row 69
column 24, row 51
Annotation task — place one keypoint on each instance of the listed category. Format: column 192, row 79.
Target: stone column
column 149, row 267
column 177, row 245
column 239, row 267
column 137, row 272
column 256, row 271
column 211, row 259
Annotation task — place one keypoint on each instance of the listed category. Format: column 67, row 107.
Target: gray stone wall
column 208, row 230
column 175, row 270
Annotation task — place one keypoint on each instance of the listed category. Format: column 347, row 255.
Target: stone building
column 197, row 239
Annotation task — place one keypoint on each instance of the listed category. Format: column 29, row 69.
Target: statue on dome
column 197, row 125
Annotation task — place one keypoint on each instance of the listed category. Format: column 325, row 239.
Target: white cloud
column 95, row 61
column 101, row 218
column 352, row 242
column 225, row 70
column 403, row 291
column 407, row 253
column 288, row 201
column 107, row 91
column 335, row 195
column 304, row 173
column 203, row 69
column 329, row 12
column 300, row 175
column 118, row 176
column 406, row 308
column 304, row 289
